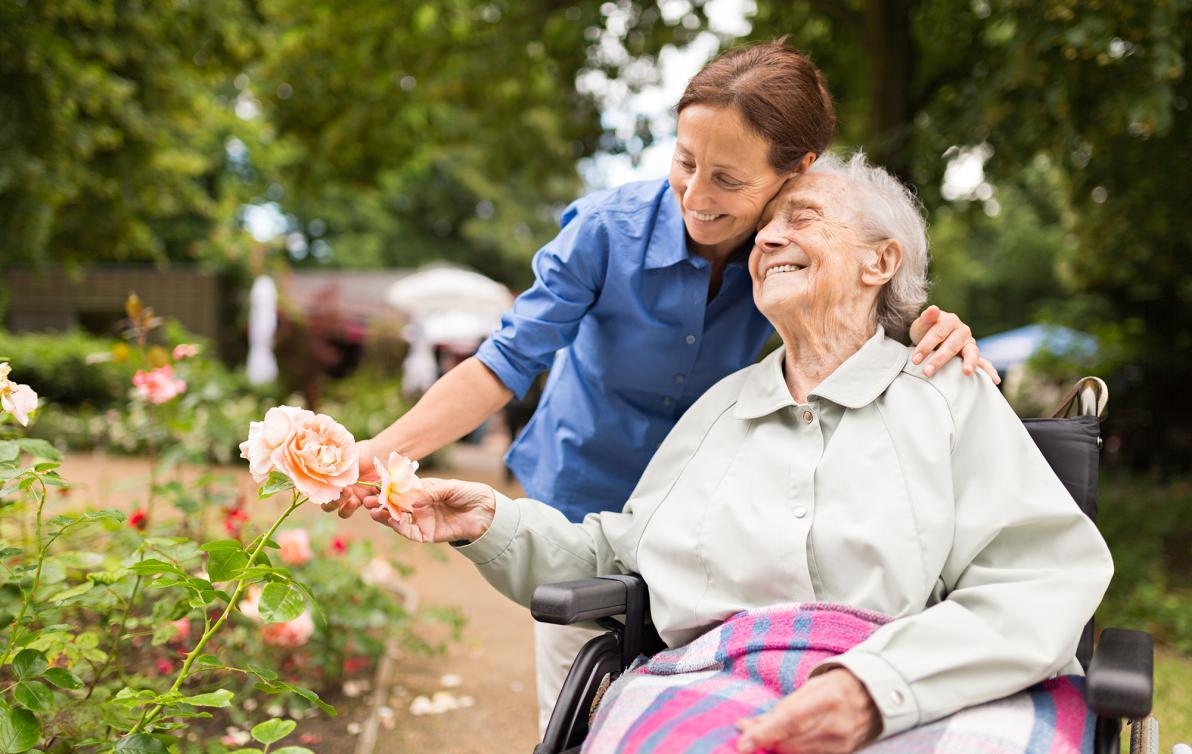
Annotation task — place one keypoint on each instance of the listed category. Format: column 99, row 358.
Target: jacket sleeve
column 1026, row 571
column 569, row 273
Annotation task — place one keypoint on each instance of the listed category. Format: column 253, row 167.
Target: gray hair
column 888, row 210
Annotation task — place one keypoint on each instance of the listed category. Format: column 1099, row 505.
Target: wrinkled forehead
column 821, row 190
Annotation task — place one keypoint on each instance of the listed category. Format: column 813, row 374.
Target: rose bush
column 125, row 634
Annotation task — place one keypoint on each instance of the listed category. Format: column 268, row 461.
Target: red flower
column 139, row 519
column 339, row 546
column 234, row 519
column 164, row 666
column 352, row 664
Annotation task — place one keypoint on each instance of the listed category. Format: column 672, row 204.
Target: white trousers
column 555, row 648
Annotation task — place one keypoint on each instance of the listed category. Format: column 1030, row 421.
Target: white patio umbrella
column 448, row 289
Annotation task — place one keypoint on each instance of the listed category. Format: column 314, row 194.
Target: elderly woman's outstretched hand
column 830, row 714
column 443, row 510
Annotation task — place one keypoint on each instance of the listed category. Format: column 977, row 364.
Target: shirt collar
column 668, row 241
column 857, row 382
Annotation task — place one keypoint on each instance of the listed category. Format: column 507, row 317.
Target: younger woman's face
column 722, row 176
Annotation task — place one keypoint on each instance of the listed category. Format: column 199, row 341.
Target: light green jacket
column 922, row 499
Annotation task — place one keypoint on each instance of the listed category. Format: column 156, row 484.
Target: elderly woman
column 829, row 472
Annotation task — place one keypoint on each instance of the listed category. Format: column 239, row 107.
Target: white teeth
column 706, row 217
column 782, row 268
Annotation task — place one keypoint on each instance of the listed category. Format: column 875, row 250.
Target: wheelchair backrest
column 1071, row 446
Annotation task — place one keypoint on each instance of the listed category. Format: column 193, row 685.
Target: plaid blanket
column 688, row 699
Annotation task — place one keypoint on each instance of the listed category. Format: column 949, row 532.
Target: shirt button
column 679, row 378
column 800, row 512
column 808, row 416
column 667, row 401
column 690, row 339
column 896, row 696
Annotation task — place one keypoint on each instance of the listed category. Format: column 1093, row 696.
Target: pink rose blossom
column 291, row 634
column 181, row 631
column 295, row 546
column 397, row 478
column 158, row 385
column 18, row 400
column 185, row 351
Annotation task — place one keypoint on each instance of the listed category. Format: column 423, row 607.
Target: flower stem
column 27, row 597
column 151, row 713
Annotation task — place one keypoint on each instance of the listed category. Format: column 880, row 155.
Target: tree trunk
column 892, row 57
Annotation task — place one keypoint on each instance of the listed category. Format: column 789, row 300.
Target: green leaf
column 141, row 743
column 208, row 661
column 281, row 603
column 293, row 750
column 34, row 695
column 10, row 450
column 272, row 731
column 63, row 678
column 29, row 663
column 224, row 563
column 220, row 698
column 74, row 591
column 39, row 448
column 154, row 566
column 19, row 731
column 276, row 482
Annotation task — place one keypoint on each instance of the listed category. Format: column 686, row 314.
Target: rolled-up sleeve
column 1025, row 572
column 569, row 273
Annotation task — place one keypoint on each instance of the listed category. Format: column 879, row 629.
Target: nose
column 770, row 239
column 698, row 193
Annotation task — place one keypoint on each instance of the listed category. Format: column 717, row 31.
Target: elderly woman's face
column 721, row 175
column 809, row 251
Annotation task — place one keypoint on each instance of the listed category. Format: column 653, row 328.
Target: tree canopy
column 391, row 133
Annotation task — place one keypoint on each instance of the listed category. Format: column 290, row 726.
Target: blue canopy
column 1017, row 346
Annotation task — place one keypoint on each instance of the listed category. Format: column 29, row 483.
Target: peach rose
column 295, row 546
column 268, row 435
column 18, row 400
column 398, row 477
column 319, row 456
column 250, row 606
column 291, row 634
column 158, row 385
column 185, row 351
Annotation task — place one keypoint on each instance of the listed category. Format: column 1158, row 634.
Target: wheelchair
column 1119, row 670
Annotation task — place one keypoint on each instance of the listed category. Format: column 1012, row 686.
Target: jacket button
column 680, row 378
column 808, row 416
column 896, row 696
column 690, row 339
column 800, row 512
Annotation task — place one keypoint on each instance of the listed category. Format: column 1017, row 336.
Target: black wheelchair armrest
column 568, row 602
column 1121, row 676
column 599, row 599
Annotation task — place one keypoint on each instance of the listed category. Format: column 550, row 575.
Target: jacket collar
column 857, row 382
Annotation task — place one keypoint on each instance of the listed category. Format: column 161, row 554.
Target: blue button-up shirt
column 625, row 306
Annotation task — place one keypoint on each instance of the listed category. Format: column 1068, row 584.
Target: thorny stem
column 151, row 713
column 27, row 597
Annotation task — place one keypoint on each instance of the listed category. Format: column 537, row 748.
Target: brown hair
column 779, row 92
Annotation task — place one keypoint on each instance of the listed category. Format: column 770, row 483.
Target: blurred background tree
column 1045, row 138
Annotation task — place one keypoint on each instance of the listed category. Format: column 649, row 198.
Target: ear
column 886, row 260
column 807, row 161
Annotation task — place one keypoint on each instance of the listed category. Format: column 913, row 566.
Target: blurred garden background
column 188, row 150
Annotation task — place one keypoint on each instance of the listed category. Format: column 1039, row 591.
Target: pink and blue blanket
column 688, row 699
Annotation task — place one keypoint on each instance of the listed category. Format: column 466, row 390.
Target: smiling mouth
column 780, row 268
column 706, row 216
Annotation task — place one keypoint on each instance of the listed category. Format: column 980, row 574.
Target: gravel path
column 494, row 664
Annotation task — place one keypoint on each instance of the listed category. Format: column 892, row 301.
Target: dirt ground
column 494, row 662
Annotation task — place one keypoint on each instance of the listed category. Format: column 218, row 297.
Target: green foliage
column 1148, row 524
column 115, row 125
column 64, row 368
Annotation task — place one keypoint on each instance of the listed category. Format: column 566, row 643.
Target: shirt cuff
column 491, row 356
column 889, row 691
column 500, row 533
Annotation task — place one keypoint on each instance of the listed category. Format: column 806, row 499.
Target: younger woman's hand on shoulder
column 442, row 510
column 940, row 336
